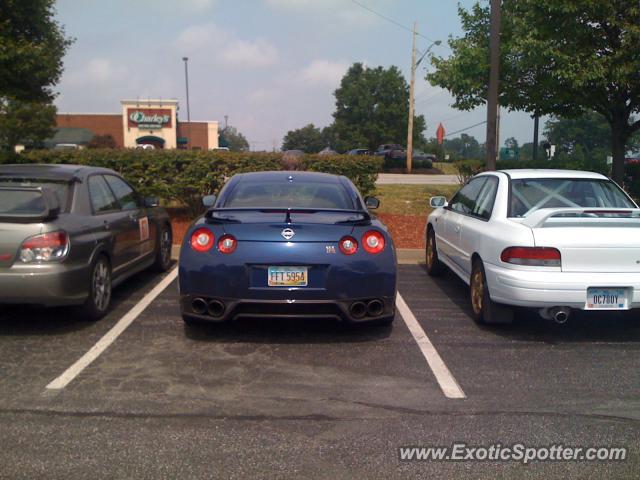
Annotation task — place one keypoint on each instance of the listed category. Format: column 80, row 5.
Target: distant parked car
column 385, row 149
column 327, row 151
column 145, row 146
column 359, row 151
column 553, row 240
column 423, row 160
column 70, row 233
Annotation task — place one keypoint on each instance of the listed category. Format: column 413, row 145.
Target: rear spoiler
column 50, row 211
column 211, row 213
column 539, row 217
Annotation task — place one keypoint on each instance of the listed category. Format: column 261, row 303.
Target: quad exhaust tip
column 358, row 309
column 375, row 308
column 199, row 306
column 215, row 308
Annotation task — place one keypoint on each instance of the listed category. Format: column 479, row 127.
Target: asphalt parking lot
column 312, row 399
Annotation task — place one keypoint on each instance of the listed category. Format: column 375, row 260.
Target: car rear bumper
column 232, row 309
column 49, row 285
column 541, row 289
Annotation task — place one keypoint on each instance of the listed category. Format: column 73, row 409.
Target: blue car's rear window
column 299, row 194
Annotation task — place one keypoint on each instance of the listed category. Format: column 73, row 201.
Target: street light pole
column 494, row 80
column 186, row 82
column 411, row 101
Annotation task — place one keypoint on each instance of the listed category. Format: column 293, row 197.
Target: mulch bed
column 407, row 230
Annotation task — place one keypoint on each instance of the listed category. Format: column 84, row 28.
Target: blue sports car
column 288, row 244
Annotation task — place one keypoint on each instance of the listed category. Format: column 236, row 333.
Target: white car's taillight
column 47, row 247
column 532, row 256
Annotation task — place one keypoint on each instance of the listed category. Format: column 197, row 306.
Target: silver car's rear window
column 289, row 195
column 528, row 195
column 12, row 201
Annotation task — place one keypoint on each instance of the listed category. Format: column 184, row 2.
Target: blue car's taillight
column 202, row 240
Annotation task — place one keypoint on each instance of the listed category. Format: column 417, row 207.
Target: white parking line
column 445, row 379
column 83, row 362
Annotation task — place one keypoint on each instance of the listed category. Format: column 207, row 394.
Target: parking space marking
column 83, row 362
column 445, row 379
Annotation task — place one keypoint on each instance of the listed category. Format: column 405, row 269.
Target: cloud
column 244, row 53
column 323, row 72
column 198, row 6
column 225, row 47
column 264, row 96
column 97, row 71
column 348, row 13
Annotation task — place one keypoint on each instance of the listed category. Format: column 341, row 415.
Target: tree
column 560, row 57
column 233, row 139
column 463, row 147
column 33, row 45
column 372, row 107
column 25, row 123
column 309, row 139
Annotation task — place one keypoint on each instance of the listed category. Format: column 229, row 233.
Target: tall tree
column 32, row 45
column 560, row 57
column 372, row 107
column 309, row 139
column 463, row 147
column 234, row 140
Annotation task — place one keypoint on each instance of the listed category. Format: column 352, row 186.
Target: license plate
column 287, row 276
column 607, row 299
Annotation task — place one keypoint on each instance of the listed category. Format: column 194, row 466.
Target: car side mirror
column 209, row 201
column 151, row 202
column 437, row 202
column 371, row 202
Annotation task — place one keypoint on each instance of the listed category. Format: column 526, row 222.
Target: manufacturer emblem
column 330, row 249
column 288, row 234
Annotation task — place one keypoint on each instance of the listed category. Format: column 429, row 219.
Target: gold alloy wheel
column 429, row 253
column 477, row 291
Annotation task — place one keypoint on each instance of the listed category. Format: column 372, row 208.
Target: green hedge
column 185, row 176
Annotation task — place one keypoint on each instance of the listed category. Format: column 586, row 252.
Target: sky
column 269, row 66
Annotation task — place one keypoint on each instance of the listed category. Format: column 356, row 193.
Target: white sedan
column 553, row 240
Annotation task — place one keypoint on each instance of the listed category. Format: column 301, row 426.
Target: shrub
column 185, row 176
column 467, row 169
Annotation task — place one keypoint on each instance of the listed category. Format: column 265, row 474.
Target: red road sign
column 440, row 134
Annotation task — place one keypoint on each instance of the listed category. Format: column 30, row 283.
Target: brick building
column 143, row 122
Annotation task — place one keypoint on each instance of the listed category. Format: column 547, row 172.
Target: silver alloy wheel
column 101, row 285
column 165, row 246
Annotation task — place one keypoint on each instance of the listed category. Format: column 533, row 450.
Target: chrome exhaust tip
column 215, row 308
column 560, row 315
column 199, row 306
column 358, row 309
column 375, row 308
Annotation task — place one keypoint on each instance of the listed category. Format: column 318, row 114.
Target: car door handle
column 133, row 218
column 457, row 228
column 106, row 225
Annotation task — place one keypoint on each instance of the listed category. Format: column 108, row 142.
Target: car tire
column 163, row 251
column 435, row 267
column 100, row 288
column 485, row 310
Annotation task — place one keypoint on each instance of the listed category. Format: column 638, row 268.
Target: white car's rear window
column 528, row 195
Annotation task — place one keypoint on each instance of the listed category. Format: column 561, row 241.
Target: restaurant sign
column 149, row 119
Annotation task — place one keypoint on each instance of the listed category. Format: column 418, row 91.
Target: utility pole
column 494, row 85
column 186, row 81
column 411, row 100
column 536, row 126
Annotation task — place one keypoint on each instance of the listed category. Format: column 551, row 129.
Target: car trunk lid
column 591, row 240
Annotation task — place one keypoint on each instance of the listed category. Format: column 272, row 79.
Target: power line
column 391, row 20
column 465, row 129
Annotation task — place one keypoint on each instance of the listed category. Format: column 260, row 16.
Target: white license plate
column 607, row 299
column 287, row 276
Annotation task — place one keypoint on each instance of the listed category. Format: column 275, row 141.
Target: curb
column 406, row 256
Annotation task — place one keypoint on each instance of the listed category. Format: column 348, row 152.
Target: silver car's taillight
column 47, row 247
